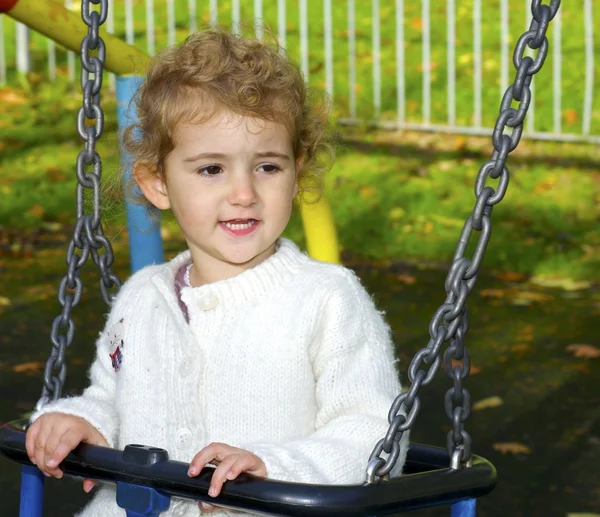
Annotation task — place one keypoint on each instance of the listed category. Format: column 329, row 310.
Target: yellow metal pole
column 319, row 230
column 53, row 20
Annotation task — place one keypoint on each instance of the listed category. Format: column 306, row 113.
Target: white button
column 183, row 438
column 186, row 367
column 207, row 302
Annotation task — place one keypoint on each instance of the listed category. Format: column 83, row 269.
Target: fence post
column 22, row 48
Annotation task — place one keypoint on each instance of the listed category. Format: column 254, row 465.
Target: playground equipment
column 145, row 478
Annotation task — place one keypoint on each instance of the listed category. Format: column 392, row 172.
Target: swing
column 146, row 478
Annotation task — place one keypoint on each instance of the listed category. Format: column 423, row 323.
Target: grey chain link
column 88, row 236
column 451, row 321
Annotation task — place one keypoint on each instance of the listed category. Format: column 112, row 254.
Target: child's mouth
column 240, row 226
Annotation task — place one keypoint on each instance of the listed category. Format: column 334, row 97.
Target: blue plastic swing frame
column 145, row 245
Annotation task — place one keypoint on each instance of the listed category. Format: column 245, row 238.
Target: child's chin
column 242, row 257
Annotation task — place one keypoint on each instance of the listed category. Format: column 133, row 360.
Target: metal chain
column 88, row 236
column 451, row 322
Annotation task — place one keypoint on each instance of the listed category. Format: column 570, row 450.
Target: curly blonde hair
column 215, row 70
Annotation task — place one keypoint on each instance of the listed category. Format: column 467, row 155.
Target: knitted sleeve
column 97, row 402
column 356, row 382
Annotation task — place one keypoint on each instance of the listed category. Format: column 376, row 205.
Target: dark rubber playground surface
column 544, row 437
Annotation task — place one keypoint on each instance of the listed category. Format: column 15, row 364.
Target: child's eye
column 269, row 168
column 210, row 170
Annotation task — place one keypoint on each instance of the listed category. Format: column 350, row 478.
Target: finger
column 30, row 438
column 244, row 463
column 213, row 453
column 198, row 462
column 220, row 474
column 88, row 484
column 51, row 444
column 68, row 441
column 40, row 449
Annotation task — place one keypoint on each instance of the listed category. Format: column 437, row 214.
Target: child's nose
column 243, row 191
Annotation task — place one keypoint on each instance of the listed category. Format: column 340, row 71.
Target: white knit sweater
column 290, row 360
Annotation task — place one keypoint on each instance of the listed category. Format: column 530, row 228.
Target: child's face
column 230, row 183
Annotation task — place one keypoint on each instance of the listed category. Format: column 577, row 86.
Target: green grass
column 573, row 62
column 395, row 196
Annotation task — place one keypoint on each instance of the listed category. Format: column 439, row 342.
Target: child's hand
column 53, row 436
column 230, row 462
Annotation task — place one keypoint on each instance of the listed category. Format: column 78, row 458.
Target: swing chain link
column 88, row 235
column 451, row 321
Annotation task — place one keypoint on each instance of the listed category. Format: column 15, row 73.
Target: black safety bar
column 427, row 480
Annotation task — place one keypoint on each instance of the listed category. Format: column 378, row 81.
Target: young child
column 242, row 351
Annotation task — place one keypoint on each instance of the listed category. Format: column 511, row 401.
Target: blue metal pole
column 464, row 508
column 32, row 492
column 141, row 501
column 145, row 243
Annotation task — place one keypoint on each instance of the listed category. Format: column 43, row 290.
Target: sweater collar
column 250, row 284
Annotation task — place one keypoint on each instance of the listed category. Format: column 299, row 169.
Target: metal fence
column 428, row 65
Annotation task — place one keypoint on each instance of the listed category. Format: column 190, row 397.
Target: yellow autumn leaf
column 492, row 293
column 465, row 59
column 396, row 213
column 487, row 403
column 528, row 297
column 366, row 192
column 8, row 96
column 406, row 279
column 570, row 116
column 31, row 367
column 4, row 301
column 448, row 221
column 584, row 351
column 473, row 370
column 36, row 210
column 512, row 448
column 428, row 227
column 567, row 284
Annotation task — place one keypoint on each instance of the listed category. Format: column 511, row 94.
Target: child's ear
column 152, row 185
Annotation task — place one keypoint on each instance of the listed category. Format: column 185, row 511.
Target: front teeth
column 237, row 226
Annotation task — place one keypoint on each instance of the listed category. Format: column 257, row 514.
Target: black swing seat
column 427, row 480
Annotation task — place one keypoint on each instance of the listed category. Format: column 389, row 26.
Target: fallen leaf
column 567, row 284
column 8, row 96
column 584, row 351
column 570, row 116
column 473, row 370
column 460, row 142
column 512, row 448
column 465, row 59
column 487, row 403
column 492, row 293
column 406, row 279
column 36, row 210
column 447, row 221
column 4, row 301
column 511, row 276
column 528, row 297
column 366, row 192
column 31, row 367
column 545, row 185
column 446, row 165
column 396, row 213
column 416, row 23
